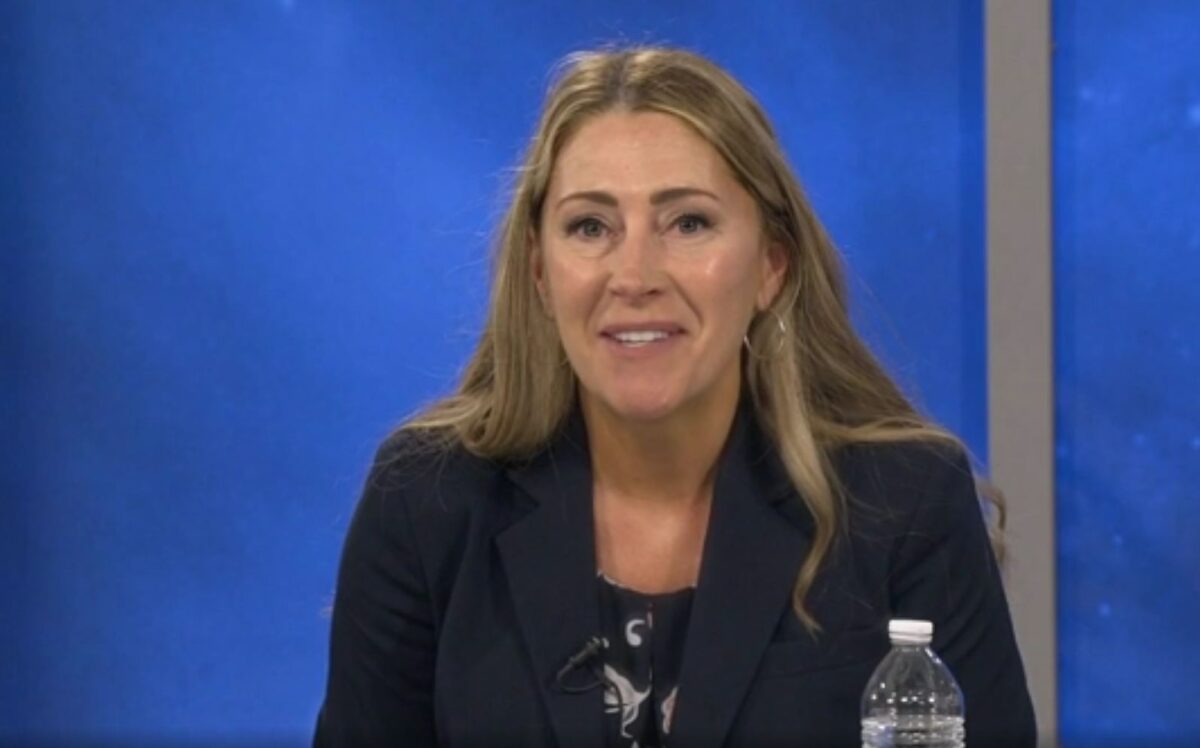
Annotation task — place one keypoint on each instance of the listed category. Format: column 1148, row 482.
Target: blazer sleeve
column 945, row 571
column 382, row 639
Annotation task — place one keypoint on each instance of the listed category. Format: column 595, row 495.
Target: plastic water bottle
column 912, row 699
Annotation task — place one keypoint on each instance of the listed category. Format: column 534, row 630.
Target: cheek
column 571, row 288
column 729, row 282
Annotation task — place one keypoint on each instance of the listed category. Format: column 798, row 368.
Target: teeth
column 640, row 337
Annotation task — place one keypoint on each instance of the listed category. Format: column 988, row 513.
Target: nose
column 637, row 265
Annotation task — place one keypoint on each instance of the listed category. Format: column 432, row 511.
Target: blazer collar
column 550, row 561
column 757, row 536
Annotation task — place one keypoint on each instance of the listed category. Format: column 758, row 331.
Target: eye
column 692, row 223
column 589, row 227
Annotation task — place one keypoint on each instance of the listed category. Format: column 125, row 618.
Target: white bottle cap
column 905, row 631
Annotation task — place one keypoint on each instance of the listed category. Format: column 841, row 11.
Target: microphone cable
column 586, row 656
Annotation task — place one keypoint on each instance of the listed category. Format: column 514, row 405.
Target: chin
column 645, row 407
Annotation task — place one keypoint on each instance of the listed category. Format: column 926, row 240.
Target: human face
column 652, row 261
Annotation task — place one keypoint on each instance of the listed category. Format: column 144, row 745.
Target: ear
column 537, row 266
column 774, row 269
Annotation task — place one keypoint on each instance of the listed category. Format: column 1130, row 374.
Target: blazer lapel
column 549, row 559
column 752, row 554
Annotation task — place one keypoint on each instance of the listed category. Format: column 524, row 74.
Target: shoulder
column 907, row 463
column 412, row 460
column 424, row 507
column 425, row 477
column 895, row 481
column 430, row 488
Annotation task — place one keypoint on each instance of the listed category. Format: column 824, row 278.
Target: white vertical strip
column 1020, row 326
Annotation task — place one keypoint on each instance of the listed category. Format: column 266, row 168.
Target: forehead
column 638, row 151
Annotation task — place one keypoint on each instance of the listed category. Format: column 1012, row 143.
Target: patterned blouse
column 643, row 636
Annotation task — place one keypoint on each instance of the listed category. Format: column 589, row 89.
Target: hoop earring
column 783, row 334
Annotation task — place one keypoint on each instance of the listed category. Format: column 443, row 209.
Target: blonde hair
column 820, row 389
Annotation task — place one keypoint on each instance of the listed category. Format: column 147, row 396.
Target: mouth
column 639, row 338
column 651, row 337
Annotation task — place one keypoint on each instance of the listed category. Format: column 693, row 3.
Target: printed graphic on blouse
column 643, row 636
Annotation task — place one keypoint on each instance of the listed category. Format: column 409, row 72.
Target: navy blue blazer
column 464, row 586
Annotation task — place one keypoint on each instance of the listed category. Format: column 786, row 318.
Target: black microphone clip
column 581, row 657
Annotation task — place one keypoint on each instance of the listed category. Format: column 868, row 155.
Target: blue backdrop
column 241, row 240
column 1127, row 243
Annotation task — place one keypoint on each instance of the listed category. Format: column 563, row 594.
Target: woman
column 675, row 499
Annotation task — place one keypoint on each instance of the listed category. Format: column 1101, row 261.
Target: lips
column 642, row 336
column 616, row 330
column 653, row 334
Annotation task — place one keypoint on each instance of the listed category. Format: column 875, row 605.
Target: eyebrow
column 658, row 198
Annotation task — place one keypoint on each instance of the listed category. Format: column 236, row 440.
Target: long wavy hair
column 819, row 389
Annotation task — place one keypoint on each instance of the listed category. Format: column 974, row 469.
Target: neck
column 669, row 460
